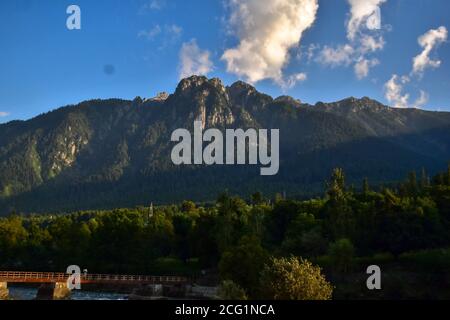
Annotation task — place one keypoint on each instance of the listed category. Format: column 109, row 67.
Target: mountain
column 116, row 153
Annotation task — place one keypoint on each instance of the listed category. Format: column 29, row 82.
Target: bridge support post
column 53, row 291
column 4, row 292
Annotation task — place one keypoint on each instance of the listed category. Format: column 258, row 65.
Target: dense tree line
column 241, row 238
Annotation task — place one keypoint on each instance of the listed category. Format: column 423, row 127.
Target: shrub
column 229, row 290
column 294, row 279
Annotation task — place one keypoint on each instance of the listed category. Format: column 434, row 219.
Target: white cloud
column 157, row 4
column 394, row 91
column 345, row 55
column 363, row 14
column 394, row 87
column 292, row 80
column 363, row 66
column 371, row 44
column 174, row 29
column 193, row 60
column 152, row 5
column 267, row 30
column 167, row 35
column 310, row 52
column 4, row 114
column 428, row 42
column 422, row 100
column 342, row 55
column 151, row 33
column 365, row 17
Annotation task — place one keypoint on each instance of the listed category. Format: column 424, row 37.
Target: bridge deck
column 51, row 277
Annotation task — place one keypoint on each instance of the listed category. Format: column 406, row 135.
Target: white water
column 22, row 293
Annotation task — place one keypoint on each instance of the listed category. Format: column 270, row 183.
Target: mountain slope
column 108, row 153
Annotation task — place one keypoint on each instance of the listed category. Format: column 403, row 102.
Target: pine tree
column 336, row 187
column 257, row 198
column 366, row 187
column 440, row 179
column 412, row 182
column 424, row 180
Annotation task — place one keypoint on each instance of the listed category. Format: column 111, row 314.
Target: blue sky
column 140, row 47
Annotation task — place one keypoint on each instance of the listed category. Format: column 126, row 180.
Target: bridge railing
column 11, row 276
column 32, row 275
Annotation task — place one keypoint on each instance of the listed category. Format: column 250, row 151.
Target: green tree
column 336, row 186
column 13, row 237
column 203, row 240
column 188, row 206
column 412, row 183
column 294, row 279
column 304, row 237
column 424, row 179
column 228, row 290
column 232, row 221
column 440, row 179
column 280, row 219
column 257, row 198
column 258, row 216
column 338, row 211
column 243, row 263
column 341, row 253
column 183, row 225
column 366, row 187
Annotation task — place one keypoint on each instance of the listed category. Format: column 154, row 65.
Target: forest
column 252, row 246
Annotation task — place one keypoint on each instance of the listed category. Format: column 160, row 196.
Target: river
column 26, row 293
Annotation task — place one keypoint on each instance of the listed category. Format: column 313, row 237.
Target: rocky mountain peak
column 240, row 87
column 245, row 96
column 240, row 92
column 191, row 82
column 198, row 97
column 199, row 83
column 289, row 100
column 352, row 104
column 161, row 96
